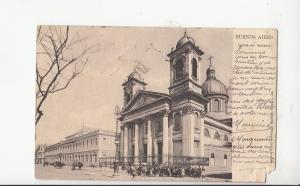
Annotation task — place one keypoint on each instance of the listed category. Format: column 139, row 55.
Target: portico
column 146, row 135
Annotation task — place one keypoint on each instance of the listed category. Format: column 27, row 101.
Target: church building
column 189, row 124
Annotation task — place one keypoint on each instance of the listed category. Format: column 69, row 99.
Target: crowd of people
column 157, row 169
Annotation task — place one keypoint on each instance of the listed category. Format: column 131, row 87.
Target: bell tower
column 132, row 85
column 185, row 67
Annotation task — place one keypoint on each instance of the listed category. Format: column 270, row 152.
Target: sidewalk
column 211, row 172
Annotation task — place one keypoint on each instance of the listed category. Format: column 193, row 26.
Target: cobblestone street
column 107, row 174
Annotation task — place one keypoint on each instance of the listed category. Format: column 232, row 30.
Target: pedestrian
column 151, row 171
column 202, row 172
column 169, row 171
column 182, row 172
column 133, row 171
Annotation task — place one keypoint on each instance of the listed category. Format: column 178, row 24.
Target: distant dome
column 185, row 39
column 213, row 86
column 135, row 75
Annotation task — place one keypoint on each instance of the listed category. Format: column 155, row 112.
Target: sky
column 91, row 98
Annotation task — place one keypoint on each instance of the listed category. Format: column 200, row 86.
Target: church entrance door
column 159, row 153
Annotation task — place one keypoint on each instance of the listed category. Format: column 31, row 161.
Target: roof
column 86, row 131
column 185, row 39
column 213, row 86
column 154, row 96
column 135, row 75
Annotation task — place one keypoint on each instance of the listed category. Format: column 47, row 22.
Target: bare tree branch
column 62, row 65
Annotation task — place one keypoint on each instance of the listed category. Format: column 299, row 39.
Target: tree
column 60, row 59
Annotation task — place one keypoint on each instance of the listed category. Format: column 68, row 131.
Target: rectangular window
column 96, row 141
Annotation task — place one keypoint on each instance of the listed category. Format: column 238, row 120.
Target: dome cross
column 210, row 58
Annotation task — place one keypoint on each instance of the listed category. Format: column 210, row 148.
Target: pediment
column 143, row 98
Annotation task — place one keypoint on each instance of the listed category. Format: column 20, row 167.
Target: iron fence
column 173, row 160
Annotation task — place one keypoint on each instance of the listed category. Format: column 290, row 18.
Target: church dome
column 185, row 39
column 135, row 75
column 213, row 86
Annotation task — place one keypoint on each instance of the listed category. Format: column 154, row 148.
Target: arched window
column 206, row 132
column 225, row 137
column 177, row 121
column 217, row 136
column 212, row 155
column 179, row 69
column 225, row 156
column 194, row 68
column 216, row 104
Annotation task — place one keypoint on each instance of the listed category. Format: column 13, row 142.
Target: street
column 88, row 173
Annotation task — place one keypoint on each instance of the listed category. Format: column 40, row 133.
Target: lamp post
column 117, row 140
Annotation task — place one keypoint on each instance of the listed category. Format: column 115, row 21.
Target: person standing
column 133, row 168
column 202, row 172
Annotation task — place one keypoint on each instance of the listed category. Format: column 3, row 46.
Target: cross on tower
column 210, row 58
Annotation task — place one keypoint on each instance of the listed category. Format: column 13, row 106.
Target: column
column 208, row 106
column 165, row 149
column 155, row 142
column 171, row 72
column 149, row 141
column 171, row 126
column 188, row 67
column 136, row 141
column 199, row 68
column 192, row 133
column 188, row 132
column 201, row 128
column 122, row 142
column 125, row 142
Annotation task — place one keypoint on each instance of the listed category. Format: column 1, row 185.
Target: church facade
column 191, row 123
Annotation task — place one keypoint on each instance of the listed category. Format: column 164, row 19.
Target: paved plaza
column 107, row 174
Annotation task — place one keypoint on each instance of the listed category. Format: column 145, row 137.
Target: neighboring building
column 40, row 154
column 190, row 122
column 86, row 146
